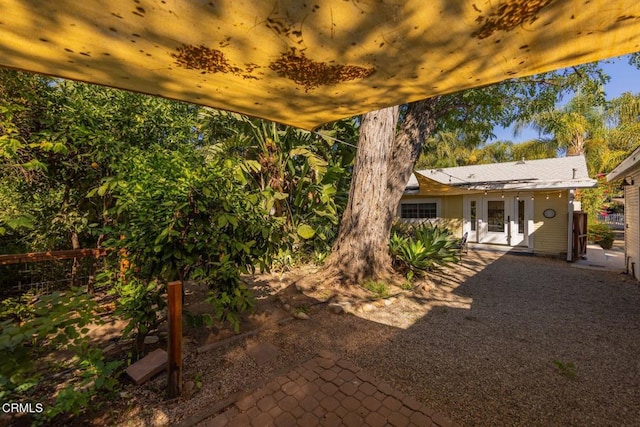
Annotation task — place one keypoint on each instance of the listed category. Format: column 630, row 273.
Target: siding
column 452, row 214
column 550, row 234
column 450, row 210
column 632, row 220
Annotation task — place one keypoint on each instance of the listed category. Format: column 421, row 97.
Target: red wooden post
column 174, row 294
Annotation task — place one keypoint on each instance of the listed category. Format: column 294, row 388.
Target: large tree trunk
column 383, row 164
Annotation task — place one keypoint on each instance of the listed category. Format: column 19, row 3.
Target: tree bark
column 383, row 164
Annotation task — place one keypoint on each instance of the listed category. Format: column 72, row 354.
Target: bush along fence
column 601, row 234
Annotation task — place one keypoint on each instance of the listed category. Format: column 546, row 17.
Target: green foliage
column 88, row 165
column 96, row 376
column 600, row 234
column 58, row 139
column 228, row 301
column 303, row 178
column 421, row 247
column 596, row 200
column 567, row 369
column 407, row 285
column 18, row 308
column 379, row 289
column 54, row 322
column 178, row 217
column 138, row 302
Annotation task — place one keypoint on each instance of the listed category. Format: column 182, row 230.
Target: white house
column 629, row 172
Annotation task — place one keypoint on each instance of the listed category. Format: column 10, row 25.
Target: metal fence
column 47, row 271
column 614, row 221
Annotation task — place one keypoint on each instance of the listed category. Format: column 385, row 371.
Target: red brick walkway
column 326, row 391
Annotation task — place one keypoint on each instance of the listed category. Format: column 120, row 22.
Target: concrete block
column 150, row 365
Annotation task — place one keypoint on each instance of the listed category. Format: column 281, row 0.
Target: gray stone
column 151, row 339
column 366, row 308
column 341, row 307
column 301, row 315
column 336, row 308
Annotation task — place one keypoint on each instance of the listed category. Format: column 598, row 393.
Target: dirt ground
column 498, row 339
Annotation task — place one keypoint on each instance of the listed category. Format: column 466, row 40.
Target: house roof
column 306, row 63
column 625, row 166
column 543, row 174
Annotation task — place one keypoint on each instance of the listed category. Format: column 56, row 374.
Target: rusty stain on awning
column 305, row 63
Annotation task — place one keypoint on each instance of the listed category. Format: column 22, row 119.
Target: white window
column 420, row 209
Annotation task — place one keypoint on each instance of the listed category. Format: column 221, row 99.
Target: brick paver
column 327, row 391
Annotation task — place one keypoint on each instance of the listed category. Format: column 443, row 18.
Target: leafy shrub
column 138, row 302
column 55, row 322
column 601, row 234
column 228, row 302
column 421, row 247
column 177, row 217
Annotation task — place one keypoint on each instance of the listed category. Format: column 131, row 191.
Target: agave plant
column 427, row 247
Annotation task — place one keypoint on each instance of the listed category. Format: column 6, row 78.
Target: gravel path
column 498, row 340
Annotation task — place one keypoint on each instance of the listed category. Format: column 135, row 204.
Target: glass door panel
column 520, row 217
column 495, row 216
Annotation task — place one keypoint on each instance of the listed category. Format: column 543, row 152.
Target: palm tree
column 571, row 126
column 447, row 149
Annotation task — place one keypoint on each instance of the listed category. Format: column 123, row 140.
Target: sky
column 624, row 78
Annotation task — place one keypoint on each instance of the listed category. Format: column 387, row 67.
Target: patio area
column 499, row 339
column 605, row 259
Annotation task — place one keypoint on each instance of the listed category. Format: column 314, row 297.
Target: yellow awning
column 430, row 187
column 303, row 62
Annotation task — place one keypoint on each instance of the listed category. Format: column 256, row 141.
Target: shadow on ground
column 503, row 340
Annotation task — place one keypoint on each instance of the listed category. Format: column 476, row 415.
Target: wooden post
column 124, row 262
column 174, row 294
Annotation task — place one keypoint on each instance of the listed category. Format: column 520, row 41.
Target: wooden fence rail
column 51, row 256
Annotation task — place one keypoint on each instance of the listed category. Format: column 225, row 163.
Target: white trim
column 496, row 237
column 466, row 216
column 436, row 200
column 529, row 212
column 510, row 210
column 570, row 226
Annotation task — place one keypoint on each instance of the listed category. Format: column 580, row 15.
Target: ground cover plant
column 422, row 247
column 54, row 324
